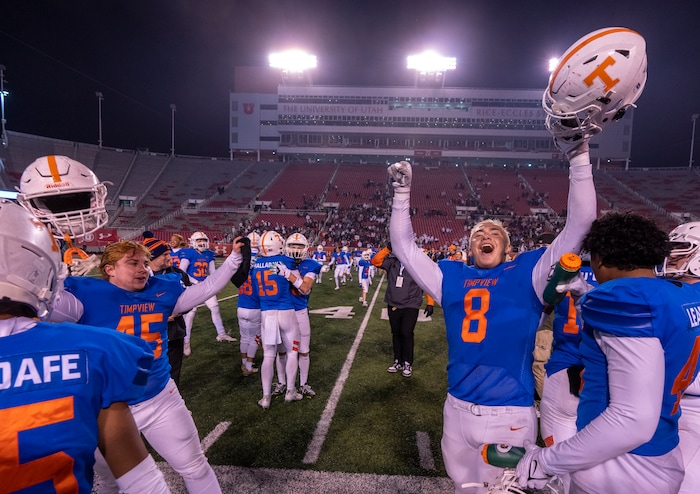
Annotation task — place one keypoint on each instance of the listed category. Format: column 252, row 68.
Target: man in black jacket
column 161, row 263
column 404, row 299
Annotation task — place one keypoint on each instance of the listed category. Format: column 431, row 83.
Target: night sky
column 145, row 55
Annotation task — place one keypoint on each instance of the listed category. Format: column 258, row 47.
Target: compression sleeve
column 422, row 269
column 213, row 284
column 636, row 383
column 581, row 211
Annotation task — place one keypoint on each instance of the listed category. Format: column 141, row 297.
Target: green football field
column 362, row 420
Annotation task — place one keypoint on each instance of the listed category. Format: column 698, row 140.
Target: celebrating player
column 71, row 388
column 199, row 262
column 131, row 301
column 279, row 323
column 69, row 198
column 639, row 348
column 683, row 264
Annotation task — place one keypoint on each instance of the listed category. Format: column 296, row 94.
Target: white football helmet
column 345, row 248
column 684, row 259
column 367, row 254
column 319, row 248
column 31, row 259
column 64, row 194
column 199, row 241
column 271, row 244
column 598, row 78
column 297, row 246
column 254, row 242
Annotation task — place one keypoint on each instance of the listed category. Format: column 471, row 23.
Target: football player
column 340, row 260
column 639, row 348
column 69, row 198
column 490, row 380
column 321, row 258
column 248, row 314
column 128, row 299
column 79, row 399
column 363, row 266
column 199, row 262
column 279, row 326
column 177, row 245
column 306, row 270
column 683, row 264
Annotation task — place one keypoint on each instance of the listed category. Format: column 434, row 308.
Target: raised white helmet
column 598, row 78
column 684, row 259
column 64, row 194
column 31, row 259
column 254, row 242
column 199, row 241
column 271, row 244
column 297, row 246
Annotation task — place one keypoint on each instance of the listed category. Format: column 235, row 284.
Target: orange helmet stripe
column 581, row 45
column 53, row 168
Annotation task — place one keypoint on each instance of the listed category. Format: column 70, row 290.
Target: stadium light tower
column 3, row 134
column 693, row 118
column 100, row 97
column 172, row 129
column 430, row 68
column 294, row 65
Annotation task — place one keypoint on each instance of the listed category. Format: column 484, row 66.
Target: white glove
column 577, row 288
column 83, row 267
column 283, row 270
column 401, row 173
column 530, row 470
column 571, row 147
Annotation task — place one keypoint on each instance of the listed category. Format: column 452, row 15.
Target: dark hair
column 627, row 241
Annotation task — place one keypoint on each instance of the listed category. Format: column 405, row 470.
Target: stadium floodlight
column 553, row 63
column 430, row 67
column 294, row 66
column 292, row 61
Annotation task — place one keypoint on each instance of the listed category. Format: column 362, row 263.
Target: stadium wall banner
column 99, row 238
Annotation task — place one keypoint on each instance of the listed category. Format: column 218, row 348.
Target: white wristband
column 298, row 282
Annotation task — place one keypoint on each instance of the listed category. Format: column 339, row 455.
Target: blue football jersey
column 272, row 288
column 143, row 314
column 54, row 381
column 198, row 267
column 247, row 297
column 305, row 267
column 642, row 308
column 491, row 317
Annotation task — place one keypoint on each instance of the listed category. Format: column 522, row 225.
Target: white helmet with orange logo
column 597, row 79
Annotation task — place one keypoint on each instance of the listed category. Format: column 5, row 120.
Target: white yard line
column 324, row 424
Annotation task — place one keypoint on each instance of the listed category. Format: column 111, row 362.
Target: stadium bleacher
column 180, row 194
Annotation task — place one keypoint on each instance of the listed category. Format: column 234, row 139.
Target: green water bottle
column 502, row 455
column 562, row 272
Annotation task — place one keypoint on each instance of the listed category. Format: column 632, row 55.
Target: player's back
column 642, row 308
column 57, row 392
column 272, row 288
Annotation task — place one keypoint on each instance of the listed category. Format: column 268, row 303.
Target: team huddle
column 620, row 400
